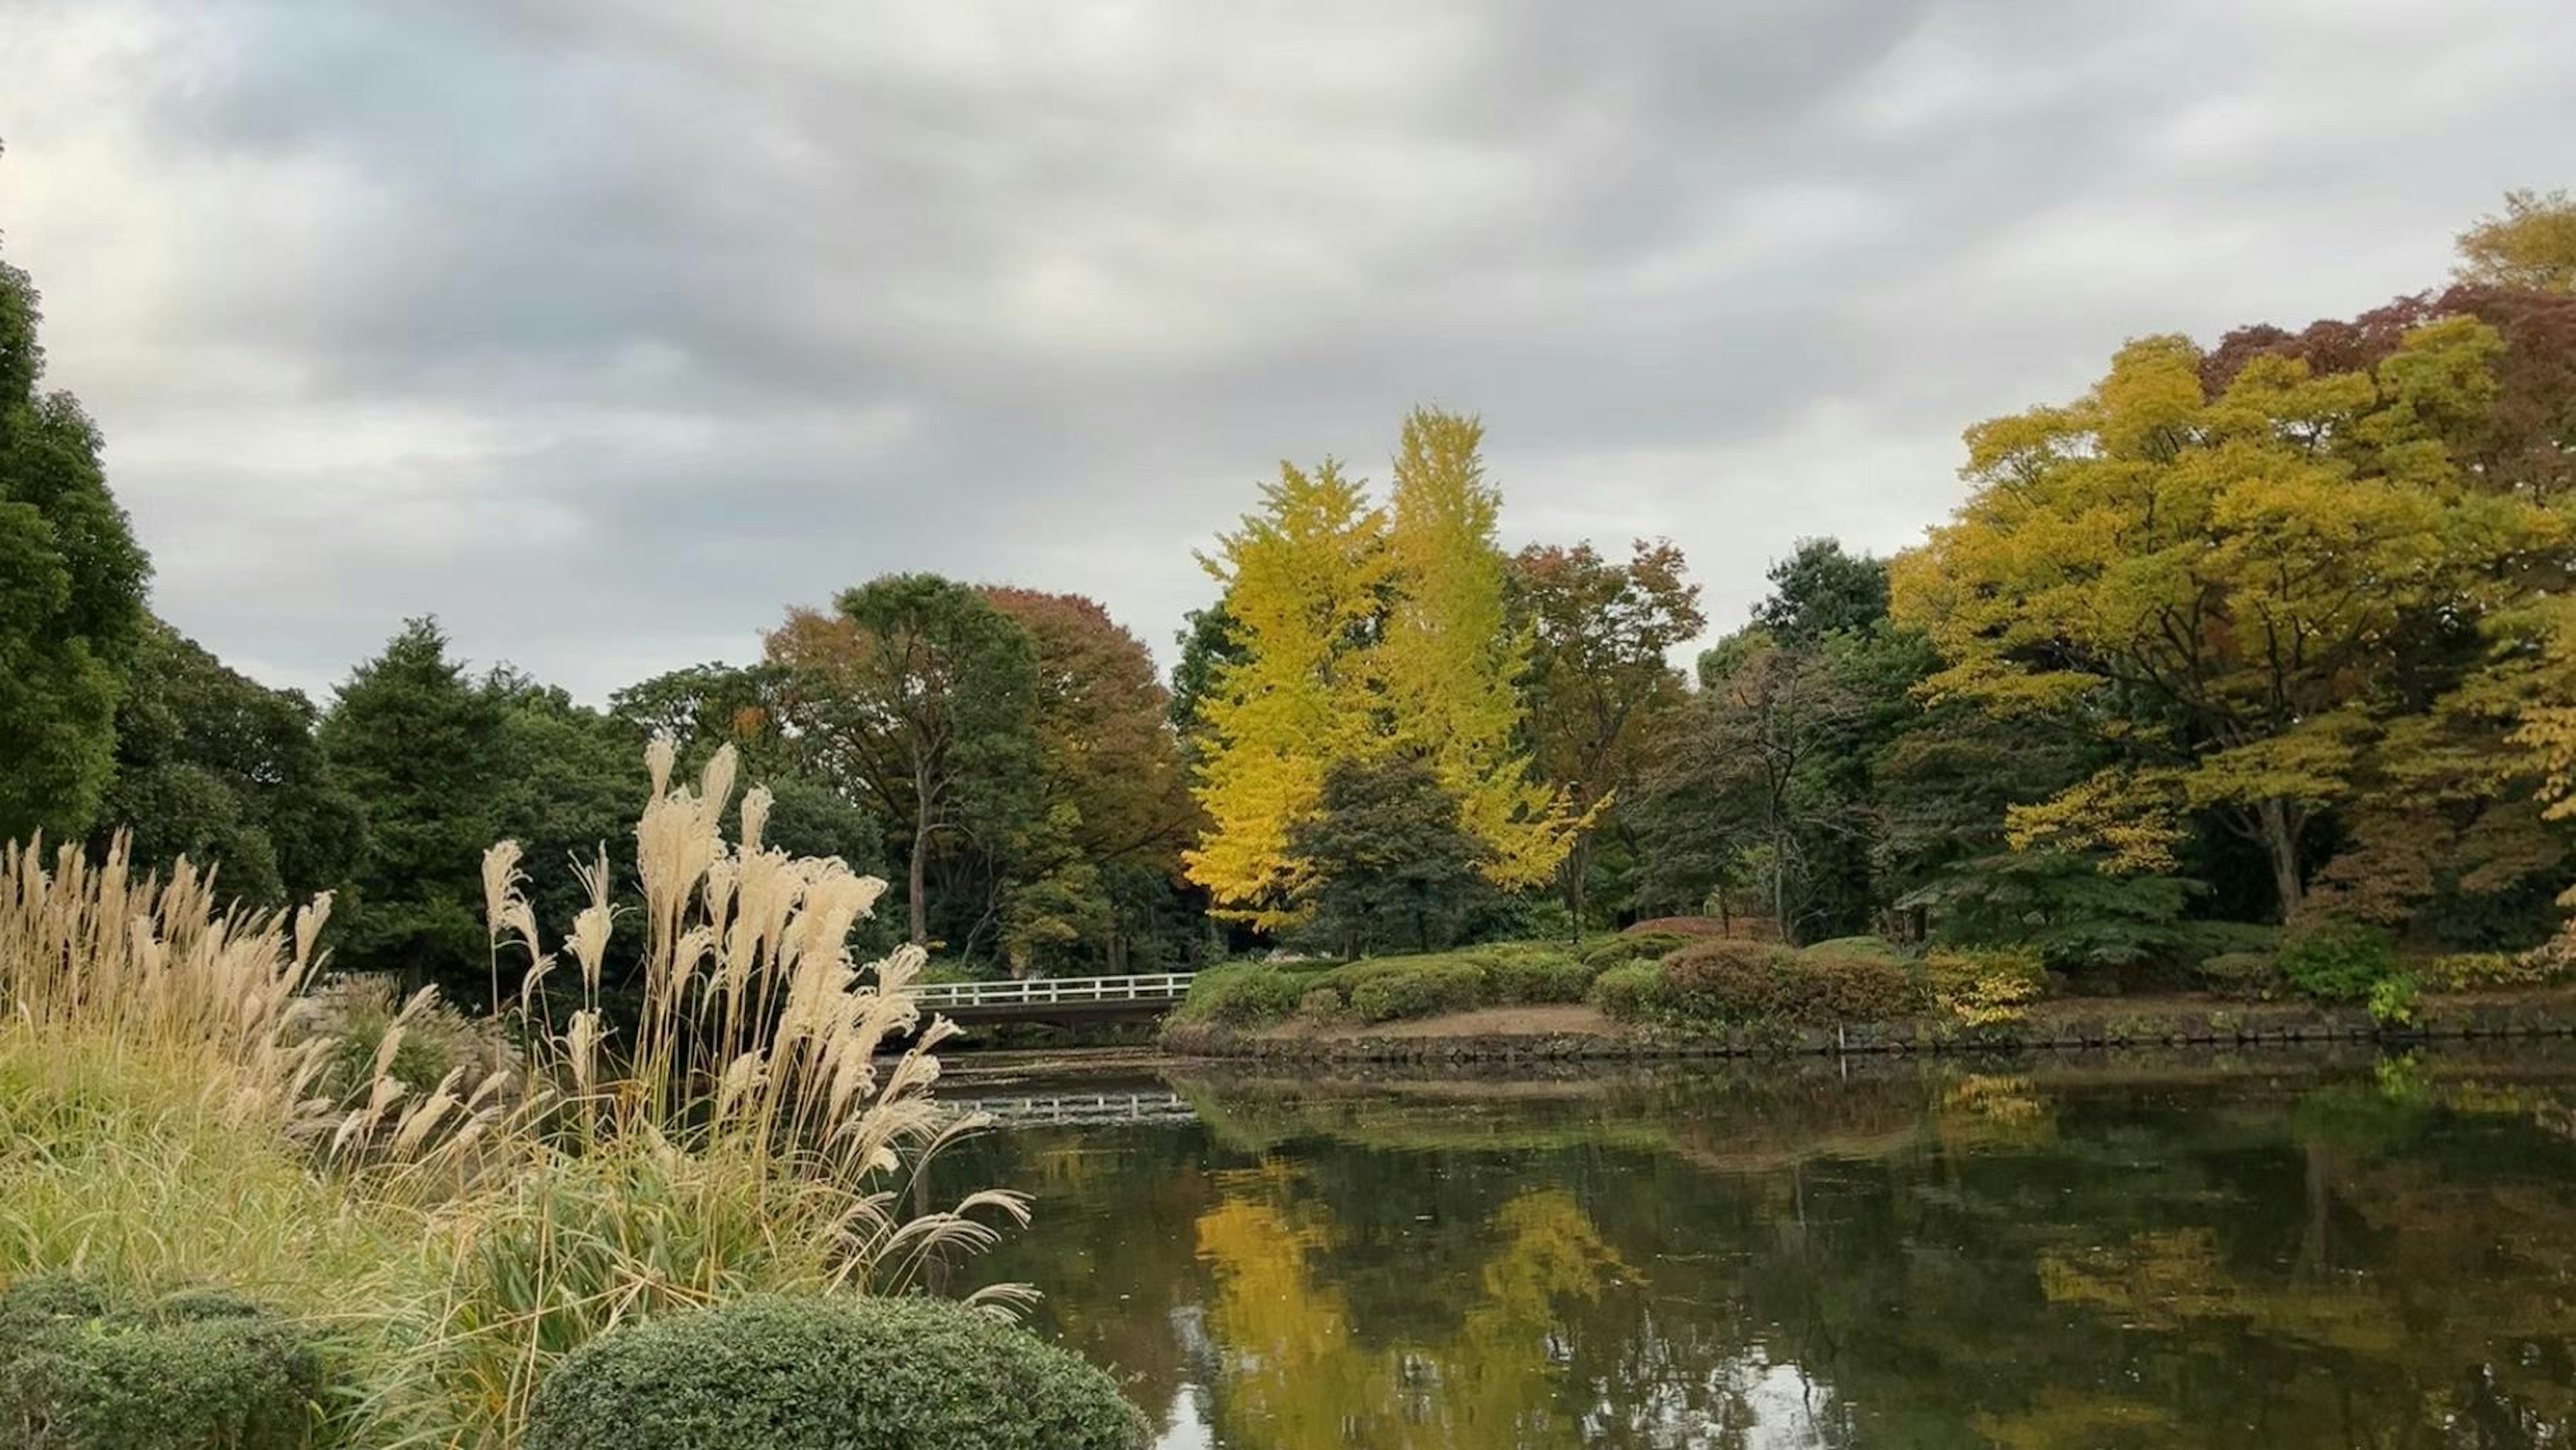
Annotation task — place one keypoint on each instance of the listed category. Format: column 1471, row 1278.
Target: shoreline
column 2078, row 1025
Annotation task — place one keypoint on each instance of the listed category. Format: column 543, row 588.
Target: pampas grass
column 743, row 1134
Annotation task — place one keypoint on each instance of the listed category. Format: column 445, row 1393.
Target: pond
column 2270, row 1251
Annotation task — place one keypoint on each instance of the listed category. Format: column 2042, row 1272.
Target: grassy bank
column 1682, row 986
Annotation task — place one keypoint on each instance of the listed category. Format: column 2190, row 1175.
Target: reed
column 746, row 1133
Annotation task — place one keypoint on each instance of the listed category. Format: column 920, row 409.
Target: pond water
column 2131, row 1253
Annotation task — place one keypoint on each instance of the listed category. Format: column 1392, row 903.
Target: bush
column 2197, row 941
column 1727, row 981
column 1242, row 996
column 2392, row 1001
column 829, row 1374
column 1877, row 947
column 2492, row 972
column 1831, row 987
column 1417, row 989
column 1988, row 988
column 357, row 1013
column 1691, row 928
column 2239, row 974
column 2338, row 961
column 1721, row 980
column 1633, row 947
column 1630, row 993
column 192, row 1371
column 1323, row 1005
column 1533, row 976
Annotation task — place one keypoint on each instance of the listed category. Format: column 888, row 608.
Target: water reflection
column 2176, row 1255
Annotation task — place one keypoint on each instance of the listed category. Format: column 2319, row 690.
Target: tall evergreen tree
column 417, row 744
column 71, row 592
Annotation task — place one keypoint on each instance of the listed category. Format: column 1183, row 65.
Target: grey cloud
column 609, row 330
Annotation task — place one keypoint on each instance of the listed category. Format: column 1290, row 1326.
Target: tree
column 71, row 592
column 1820, row 590
column 1389, row 859
column 1304, row 581
column 1599, row 671
column 417, row 745
column 1450, row 658
column 2233, row 587
column 221, row 769
column 918, row 698
column 1211, row 643
column 1765, row 724
column 1111, row 790
column 2531, row 246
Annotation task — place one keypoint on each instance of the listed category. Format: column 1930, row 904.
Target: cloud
column 607, row 331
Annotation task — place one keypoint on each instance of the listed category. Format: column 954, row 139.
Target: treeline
column 2267, row 631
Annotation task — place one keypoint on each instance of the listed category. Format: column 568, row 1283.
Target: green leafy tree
column 221, row 769
column 1390, row 861
column 417, row 744
column 1600, row 676
column 71, row 592
column 1820, row 590
column 919, row 699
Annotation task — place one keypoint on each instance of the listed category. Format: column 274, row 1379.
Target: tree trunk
column 917, row 882
column 2278, row 828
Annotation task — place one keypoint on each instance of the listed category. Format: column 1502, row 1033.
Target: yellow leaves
column 2131, row 817
column 1362, row 634
column 1449, row 657
column 2248, row 578
column 2533, row 244
column 1303, row 581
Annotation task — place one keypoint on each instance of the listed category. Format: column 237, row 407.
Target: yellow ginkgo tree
column 2239, row 591
column 1450, row 656
column 1304, row 579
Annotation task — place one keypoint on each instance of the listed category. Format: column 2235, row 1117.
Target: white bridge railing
column 1162, row 987
column 1067, row 1109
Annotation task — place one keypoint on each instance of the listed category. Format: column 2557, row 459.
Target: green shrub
column 1721, row 980
column 1321, row 1005
column 1630, row 993
column 829, row 1374
column 196, row 1371
column 2239, row 974
column 1619, row 950
column 2392, row 1001
column 2197, row 941
column 355, row 1013
column 1878, row 947
column 1992, row 987
column 1421, row 988
column 1246, row 995
column 1537, row 976
column 1830, row 987
column 2492, row 971
column 2338, row 961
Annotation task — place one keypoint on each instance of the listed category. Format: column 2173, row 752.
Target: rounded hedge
column 198, row 1369
column 829, row 1374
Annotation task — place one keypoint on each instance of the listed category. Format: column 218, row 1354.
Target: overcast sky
column 605, row 331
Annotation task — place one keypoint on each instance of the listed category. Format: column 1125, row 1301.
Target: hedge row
column 1389, row 989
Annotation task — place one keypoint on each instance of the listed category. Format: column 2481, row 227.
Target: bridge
column 1055, row 999
column 1029, row 1110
